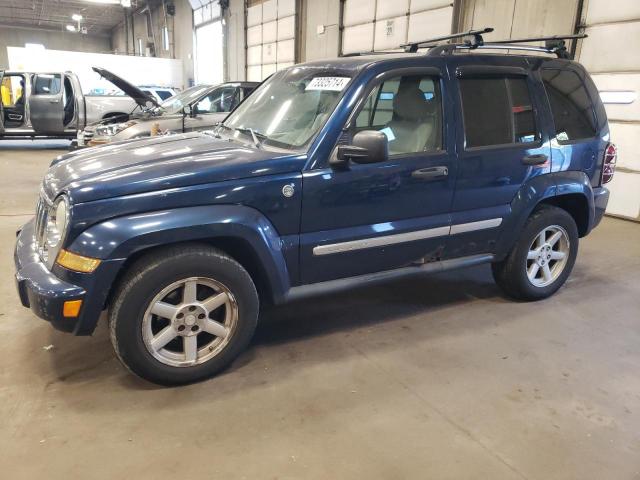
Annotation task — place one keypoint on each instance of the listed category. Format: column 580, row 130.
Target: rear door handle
column 430, row 173
column 537, row 159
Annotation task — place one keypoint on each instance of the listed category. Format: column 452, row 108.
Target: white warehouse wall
column 610, row 54
column 18, row 36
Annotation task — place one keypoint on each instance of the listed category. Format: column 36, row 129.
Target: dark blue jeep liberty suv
column 331, row 173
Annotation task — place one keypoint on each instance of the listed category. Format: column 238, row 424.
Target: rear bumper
column 600, row 201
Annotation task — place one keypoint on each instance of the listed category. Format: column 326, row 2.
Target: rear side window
column 570, row 105
column 497, row 111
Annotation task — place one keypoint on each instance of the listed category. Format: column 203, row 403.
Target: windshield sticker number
column 335, row 84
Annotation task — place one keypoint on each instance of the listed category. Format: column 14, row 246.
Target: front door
column 374, row 217
column 500, row 147
column 47, row 103
column 212, row 108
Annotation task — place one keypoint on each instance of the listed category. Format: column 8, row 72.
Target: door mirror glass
column 188, row 110
column 368, row 146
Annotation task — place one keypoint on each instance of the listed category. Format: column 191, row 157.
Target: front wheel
column 542, row 258
column 182, row 314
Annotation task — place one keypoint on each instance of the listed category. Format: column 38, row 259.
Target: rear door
column 500, row 145
column 46, row 103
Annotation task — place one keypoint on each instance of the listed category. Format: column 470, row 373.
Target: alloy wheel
column 189, row 322
column 547, row 256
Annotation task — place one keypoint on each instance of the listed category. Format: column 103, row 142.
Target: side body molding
column 119, row 238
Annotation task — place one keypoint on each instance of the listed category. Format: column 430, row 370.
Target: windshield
column 289, row 109
column 176, row 103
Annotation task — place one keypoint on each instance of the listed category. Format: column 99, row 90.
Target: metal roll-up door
column 610, row 55
column 271, row 27
column 378, row 25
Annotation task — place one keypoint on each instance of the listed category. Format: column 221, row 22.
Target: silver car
column 196, row 108
column 51, row 104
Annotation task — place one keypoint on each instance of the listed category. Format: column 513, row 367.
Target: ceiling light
column 71, row 28
column 76, row 16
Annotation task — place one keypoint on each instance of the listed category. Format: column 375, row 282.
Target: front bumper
column 38, row 288
column 45, row 291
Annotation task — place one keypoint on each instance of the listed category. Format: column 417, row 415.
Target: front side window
column 290, row 108
column 571, row 106
column 497, row 111
column 407, row 109
column 46, row 84
column 176, row 103
column 220, row 100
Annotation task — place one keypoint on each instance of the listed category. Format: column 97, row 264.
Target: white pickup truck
column 36, row 104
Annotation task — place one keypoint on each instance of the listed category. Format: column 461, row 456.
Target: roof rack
column 555, row 44
column 412, row 47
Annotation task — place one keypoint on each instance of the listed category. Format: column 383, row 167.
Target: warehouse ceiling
column 99, row 17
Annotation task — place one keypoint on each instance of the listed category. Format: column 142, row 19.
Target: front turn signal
column 77, row 263
column 71, row 308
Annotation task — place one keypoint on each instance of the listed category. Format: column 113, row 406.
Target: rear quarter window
column 571, row 106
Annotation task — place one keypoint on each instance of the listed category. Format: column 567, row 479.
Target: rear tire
column 182, row 314
column 542, row 258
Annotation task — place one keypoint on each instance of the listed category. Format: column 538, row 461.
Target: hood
column 160, row 163
column 134, row 92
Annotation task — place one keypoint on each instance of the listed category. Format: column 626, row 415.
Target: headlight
column 56, row 228
column 114, row 129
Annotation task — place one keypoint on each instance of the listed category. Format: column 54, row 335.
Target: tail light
column 609, row 163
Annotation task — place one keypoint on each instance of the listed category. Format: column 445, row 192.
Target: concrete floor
column 440, row 377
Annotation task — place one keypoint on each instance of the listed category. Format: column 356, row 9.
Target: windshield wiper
column 254, row 135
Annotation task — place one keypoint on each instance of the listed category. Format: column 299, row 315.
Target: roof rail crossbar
column 553, row 44
column 412, row 47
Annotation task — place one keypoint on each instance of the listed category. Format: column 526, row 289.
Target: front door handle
column 537, row 159
column 430, row 173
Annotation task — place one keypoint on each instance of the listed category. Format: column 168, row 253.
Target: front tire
column 182, row 314
column 542, row 258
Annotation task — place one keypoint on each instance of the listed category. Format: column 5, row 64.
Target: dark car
column 330, row 174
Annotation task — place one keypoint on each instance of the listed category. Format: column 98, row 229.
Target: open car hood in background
column 134, row 92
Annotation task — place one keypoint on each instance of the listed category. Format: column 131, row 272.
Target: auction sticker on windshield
column 335, row 84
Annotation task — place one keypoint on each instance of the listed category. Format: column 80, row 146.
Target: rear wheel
column 182, row 314
column 542, row 258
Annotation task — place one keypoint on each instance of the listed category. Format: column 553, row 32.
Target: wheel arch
column 241, row 232
column 576, row 205
column 570, row 190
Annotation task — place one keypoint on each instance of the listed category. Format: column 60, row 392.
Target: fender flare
column 117, row 239
column 535, row 191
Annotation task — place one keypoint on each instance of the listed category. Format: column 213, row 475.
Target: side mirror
column 368, row 146
column 190, row 110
